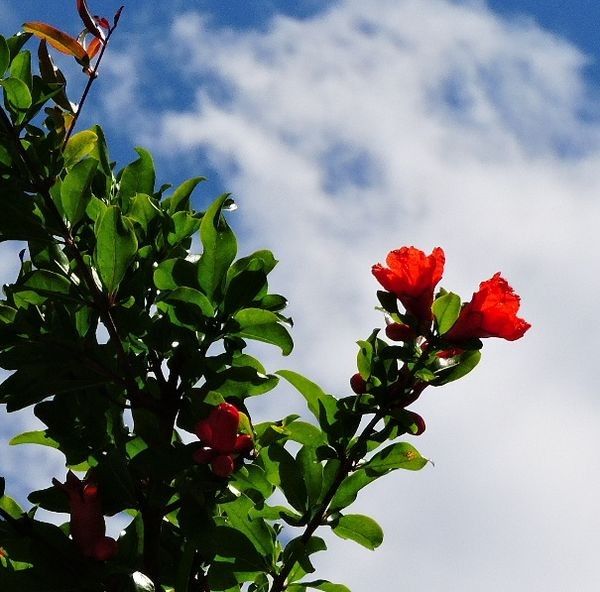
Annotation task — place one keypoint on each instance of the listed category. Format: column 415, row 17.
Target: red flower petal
column 492, row 312
column 412, row 276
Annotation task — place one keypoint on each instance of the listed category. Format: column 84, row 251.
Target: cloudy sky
column 348, row 128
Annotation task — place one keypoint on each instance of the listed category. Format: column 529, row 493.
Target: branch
column 346, row 466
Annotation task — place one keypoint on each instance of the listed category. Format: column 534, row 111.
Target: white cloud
column 389, row 123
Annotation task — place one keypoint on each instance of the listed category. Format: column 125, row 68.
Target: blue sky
column 349, row 131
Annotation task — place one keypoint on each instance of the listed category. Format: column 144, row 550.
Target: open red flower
column 222, row 443
column 492, row 312
column 87, row 526
column 412, row 276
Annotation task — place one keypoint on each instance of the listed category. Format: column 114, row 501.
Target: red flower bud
column 222, row 465
column 418, row 421
column 105, row 549
column 412, row 276
column 399, row 332
column 358, row 384
column 221, row 441
column 492, row 312
column 87, row 520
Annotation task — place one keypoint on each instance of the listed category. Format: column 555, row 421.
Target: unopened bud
column 399, row 332
column 358, row 384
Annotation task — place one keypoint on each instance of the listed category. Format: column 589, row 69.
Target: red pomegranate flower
column 412, row 276
column 492, row 312
column 222, row 442
column 87, row 525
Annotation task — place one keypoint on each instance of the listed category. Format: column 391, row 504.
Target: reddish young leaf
column 88, row 20
column 94, row 47
column 117, row 16
column 57, row 39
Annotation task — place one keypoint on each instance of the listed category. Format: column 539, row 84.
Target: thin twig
column 92, row 76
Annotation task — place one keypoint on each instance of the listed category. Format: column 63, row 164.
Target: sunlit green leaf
column 361, row 529
column 17, row 93
column 37, row 437
column 446, row 309
column 79, row 146
column 219, row 248
column 137, row 177
column 116, row 245
column 75, row 189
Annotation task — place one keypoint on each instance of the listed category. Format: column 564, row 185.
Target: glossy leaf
column 137, row 177
column 219, row 248
column 4, row 56
column 20, row 68
column 446, row 309
column 323, row 585
column 57, row 39
column 79, row 146
column 361, row 529
column 173, row 273
column 180, row 199
column 282, row 470
column 319, row 402
column 37, row 437
column 263, row 325
column 257, row 531
column 75, row 190
column 312, row 471
column 17, row 93
column 116, row 245
column 465, row 363
column 397, row 456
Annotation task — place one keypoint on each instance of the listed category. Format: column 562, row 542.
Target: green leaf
column 173, row 273
column 20, row 68
column 143, row 210
column 79, row 146
column 184, row 225
column 137, row 177
column 282, row 470
column 361, row 529
column 446, row 309
column 401, row 455
column 220, row 247
column 116, row 245
column 75, row 192
column 321, row 405
column 397, row 456
column 301, row 552
column 37, row 437
column 180, row 199
column 193, row 297
column 312, row 471
column 364, row 359
column 187, row 307
column 257, row 531
column 324, row 585
column 17, row 94
column 48, row 283
column 10, row 506
column 466, row 362
column 263, row 325
column 4, row 56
